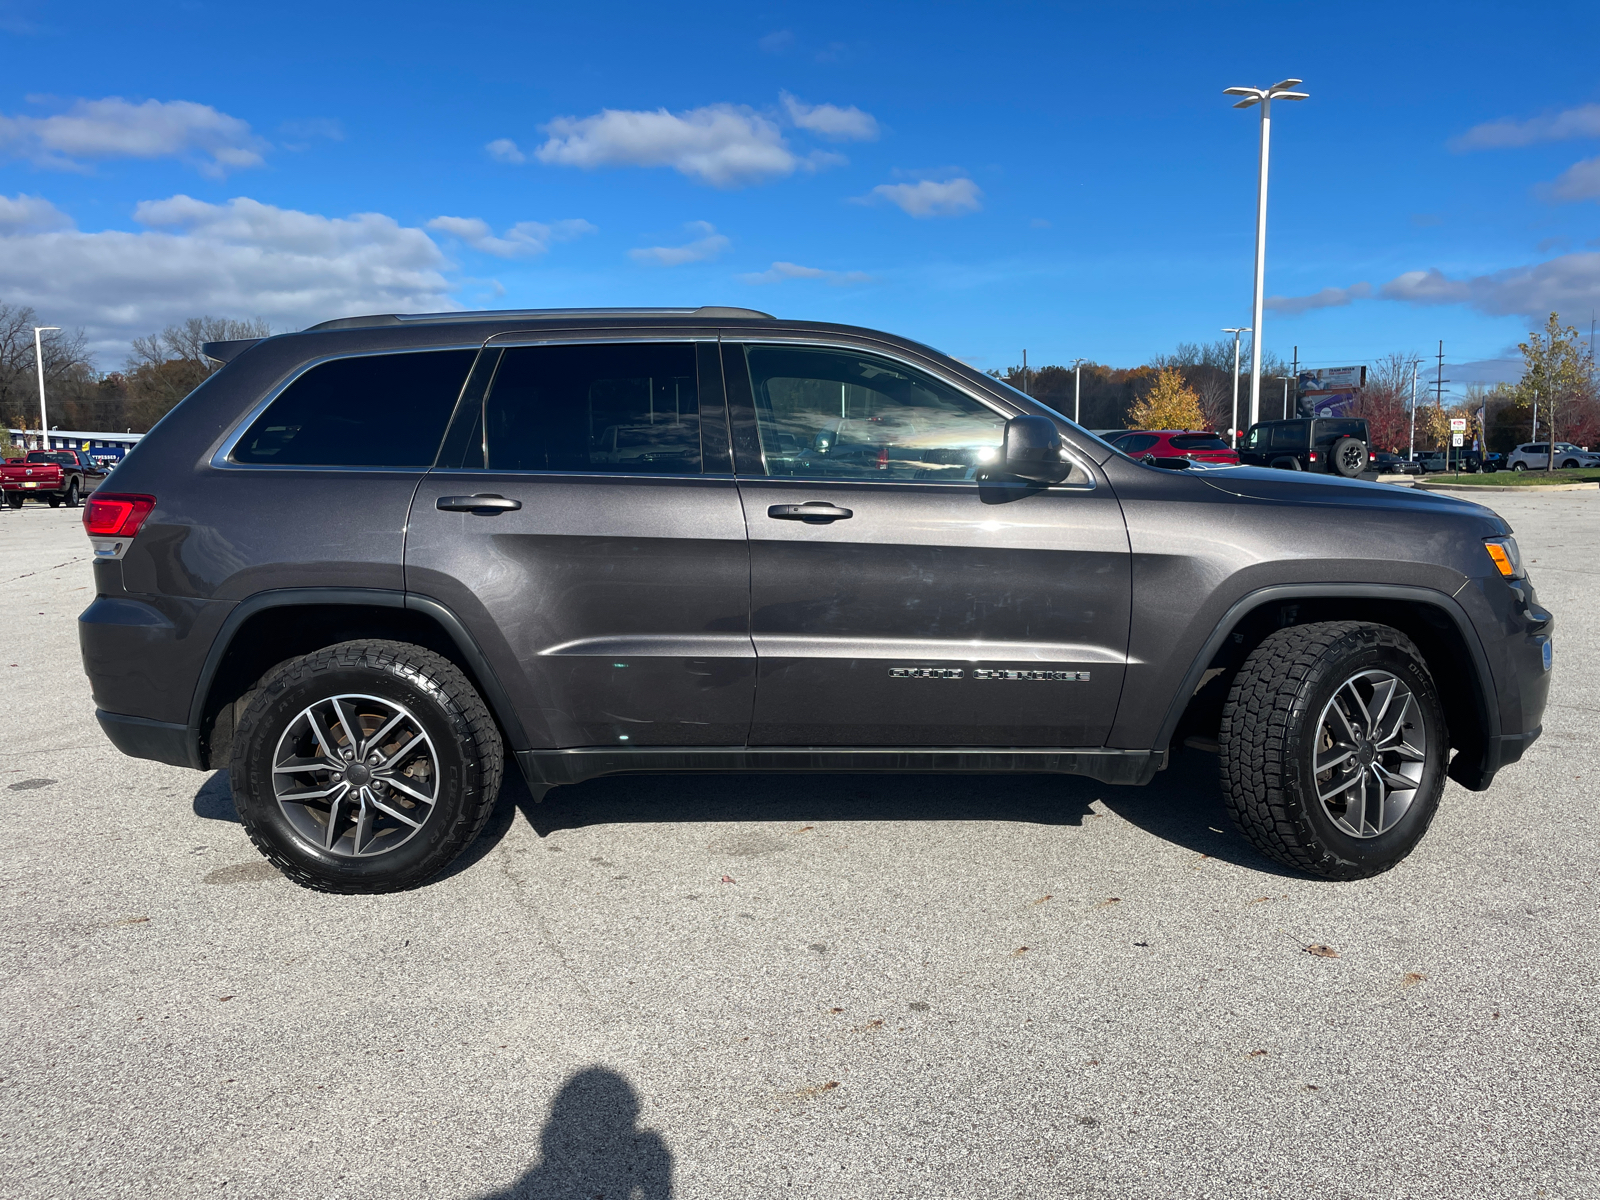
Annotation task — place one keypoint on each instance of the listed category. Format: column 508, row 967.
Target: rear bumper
column 140, row 737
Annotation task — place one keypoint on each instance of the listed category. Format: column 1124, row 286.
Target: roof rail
column 709, row 312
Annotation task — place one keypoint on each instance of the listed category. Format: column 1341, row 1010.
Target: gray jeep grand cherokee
column 362, row 564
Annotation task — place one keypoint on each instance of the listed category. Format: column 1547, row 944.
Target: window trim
column 222, row 458
column 741, row 343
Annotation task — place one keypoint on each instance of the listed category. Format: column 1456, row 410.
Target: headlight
column 1503, row 550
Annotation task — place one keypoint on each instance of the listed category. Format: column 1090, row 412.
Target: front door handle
column 816, row 512
column 483, row 506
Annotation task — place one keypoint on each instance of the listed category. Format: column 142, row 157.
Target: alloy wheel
column 356, row 776
column 1371, row 750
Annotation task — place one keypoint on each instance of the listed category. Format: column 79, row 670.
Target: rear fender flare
column 494, row 693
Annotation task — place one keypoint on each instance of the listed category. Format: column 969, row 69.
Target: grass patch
column 1520, row 478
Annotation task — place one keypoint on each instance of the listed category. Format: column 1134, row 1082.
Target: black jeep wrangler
column 1332, row 445
column 362, row 565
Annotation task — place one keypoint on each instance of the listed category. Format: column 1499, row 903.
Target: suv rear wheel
column 1333, row 744
column 1349, row 457
column 365, row 767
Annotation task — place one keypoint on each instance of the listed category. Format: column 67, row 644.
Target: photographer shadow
column 592, row 1145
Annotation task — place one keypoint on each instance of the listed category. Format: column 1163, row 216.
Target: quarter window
column 618, row 409
column 839, row 414
column 1136, row 443
column 378, row 410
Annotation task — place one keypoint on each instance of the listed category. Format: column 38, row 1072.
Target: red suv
column 1175, row 443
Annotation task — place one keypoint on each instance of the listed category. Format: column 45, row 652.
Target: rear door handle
column 815, row 511
column 483, row 506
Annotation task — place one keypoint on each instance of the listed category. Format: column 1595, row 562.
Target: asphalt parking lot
column 752, row 986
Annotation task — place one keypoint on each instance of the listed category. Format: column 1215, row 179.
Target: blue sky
column 1065, row 178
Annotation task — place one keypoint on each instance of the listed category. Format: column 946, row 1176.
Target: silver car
column 1535, row 456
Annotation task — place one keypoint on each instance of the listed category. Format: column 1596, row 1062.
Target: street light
column 1233, row 429
column 38, row 361
column 1282, row 90
column 1412, row 452
column 1077, row 390
column 1285, row 379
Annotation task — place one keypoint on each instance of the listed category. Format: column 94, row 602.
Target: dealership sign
column 1333, row 379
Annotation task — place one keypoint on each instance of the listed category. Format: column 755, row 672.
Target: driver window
column 837, row 414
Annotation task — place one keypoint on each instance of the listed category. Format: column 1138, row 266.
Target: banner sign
column 1327, row 404
column 1333, row 379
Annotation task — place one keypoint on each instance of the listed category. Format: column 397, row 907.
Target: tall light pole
column 1077, row 391
column 1411, row 453
column 1233, row 429
column 38, row 361
column 1282, row 90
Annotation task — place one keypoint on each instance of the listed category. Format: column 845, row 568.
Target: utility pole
column 1285, row 379
column 1295, row 371
column 38, row 361
column 1025, row 391
column 1282, row 90
column 1077, row 391
column 1233, row 429
column 1438, row 398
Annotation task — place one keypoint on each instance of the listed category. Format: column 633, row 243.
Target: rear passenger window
column 376, row 410
column 1136, row 443
column 624, row 409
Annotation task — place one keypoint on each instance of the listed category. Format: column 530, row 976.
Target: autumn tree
column 1556, row 376
column 165, row 367
column 1169, row 404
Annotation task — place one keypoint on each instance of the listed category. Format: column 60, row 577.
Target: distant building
column 108, row 446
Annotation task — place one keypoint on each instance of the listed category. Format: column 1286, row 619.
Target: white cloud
column 1569, row 283
column 1328, row 297
column 724, row 145
column 831, row 121
column 523, row 240
column 1580, row 122
column 506, row 151
column 929, row 198
column 708, row 245
column 1581, row 181
column 778, row 272
column 242, row 258
column 30, row 214
column 115, row 128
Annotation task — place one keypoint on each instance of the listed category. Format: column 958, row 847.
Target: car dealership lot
column 918, row 986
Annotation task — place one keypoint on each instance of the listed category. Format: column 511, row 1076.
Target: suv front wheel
column 365, row 767
column 1333, row 746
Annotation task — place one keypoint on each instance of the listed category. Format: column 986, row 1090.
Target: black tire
column 72, row 494
column 1268, row 738
column 14, row 499
column 455, row 718
column 1519, row 466
column 1570, row 465
column 55, row 501
column 1348, row 457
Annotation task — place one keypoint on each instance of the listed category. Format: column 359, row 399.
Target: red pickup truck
column 55, row 476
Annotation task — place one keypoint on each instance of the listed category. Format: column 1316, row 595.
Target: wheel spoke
column 1366, row 717
column 1393, row 780
column 331, row 834
column 417, row 740
column 398, row 816
column 377, row 738
column 1382, row 694
column 363, row 831
column 1338, row 787
column 399, row 783
column 301, row 795
column 352, row 728
column 1355, row 812
column 300, row 766
column 1340, row 753
column 323, row 736
column 1383, row 737
column 1407, row 751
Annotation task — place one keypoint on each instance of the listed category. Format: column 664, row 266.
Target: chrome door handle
column 817, row 512
column 483, row 506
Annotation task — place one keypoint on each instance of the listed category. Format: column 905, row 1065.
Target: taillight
column 115, row 514
column 1313, row 456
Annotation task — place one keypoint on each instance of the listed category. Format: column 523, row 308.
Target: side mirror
column 1032, row 450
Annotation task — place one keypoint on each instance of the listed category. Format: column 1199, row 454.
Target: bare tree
column 65, row 359
column 165, row 367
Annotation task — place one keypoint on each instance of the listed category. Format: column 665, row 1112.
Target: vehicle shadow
column 1183, row 805
column 592, row 1145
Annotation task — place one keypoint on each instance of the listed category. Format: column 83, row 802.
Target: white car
column 1535, row 456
